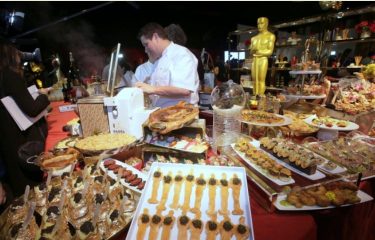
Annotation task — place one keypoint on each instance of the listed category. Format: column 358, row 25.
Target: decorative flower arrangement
column 365, row 26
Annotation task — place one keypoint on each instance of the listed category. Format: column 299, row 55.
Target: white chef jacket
column 176, row 67
column 143, row 71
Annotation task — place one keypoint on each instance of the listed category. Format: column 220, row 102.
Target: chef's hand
column 3, row 195
column 146, row 88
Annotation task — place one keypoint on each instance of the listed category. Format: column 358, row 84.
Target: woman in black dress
column 12, row 83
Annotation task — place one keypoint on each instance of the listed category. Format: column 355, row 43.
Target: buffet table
column 266, row 225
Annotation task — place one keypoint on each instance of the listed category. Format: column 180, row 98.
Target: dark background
column 91, row 35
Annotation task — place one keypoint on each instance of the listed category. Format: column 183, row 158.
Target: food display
column 49, row 161
column 102, row 142
column 353, row 154
column 331, row 123
column 78, row 205
column 298, row 127
column 212, row 202
column 356, row 97
column 179, row 142
column 334, row 194
column 171, row 118
column 68, row 142
column 262, row 118
column 128, row 175
column 300, row 160
column 308, row 90
column 263, row 163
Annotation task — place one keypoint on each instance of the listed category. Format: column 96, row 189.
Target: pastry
column 196, row 228
column 188, row 186
column 155, row 224
column 87, row 231
column 201, row 185
column 236, row 184
column 211, row 195
column 174, row 117
column 143, row 223
column 224, row 195
column 212, row 228
column 226, row 229
column 17, row 232
column 178, row 180
column 168, row 223
column 242, row 232
column 156, row 178
column 166, row 187
column 183, row 225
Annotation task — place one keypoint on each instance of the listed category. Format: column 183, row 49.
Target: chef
column 175, row 77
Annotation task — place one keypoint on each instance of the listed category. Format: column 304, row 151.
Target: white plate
column 128, row 167
column 261, row 170
column 197, row 170
column 286, row 121
column 316, row 176
column 306, row 96
column 362, row 195
column 351, row 126
column 337, row 170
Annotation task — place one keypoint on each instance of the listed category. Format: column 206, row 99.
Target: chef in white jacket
column 175, row 77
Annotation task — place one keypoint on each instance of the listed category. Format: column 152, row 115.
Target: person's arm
column 16, row 88
column 163, row 90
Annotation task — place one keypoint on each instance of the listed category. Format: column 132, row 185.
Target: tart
column 155, row 224
column 212, row 228
column 156, row 178
column 167, row 181
column 200, row 186
column 143, row 224
column 168, row 222
column 241, row 231
column 224, row 195
column 183, row 223
column 196, row 228
column 212, row 182
column 235, row 184
column 188, row 187
column 178, row 180
column 226, row 229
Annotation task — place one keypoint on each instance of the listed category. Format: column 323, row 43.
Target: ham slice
column 171, row 118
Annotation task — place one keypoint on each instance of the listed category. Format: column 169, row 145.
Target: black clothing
column 19, row 172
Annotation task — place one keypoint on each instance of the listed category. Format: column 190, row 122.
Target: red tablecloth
column 266, row 225
column 56, row 120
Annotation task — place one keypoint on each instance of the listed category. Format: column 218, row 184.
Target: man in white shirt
column 175, row 77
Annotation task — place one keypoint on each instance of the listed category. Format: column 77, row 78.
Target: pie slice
column 170, row 118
